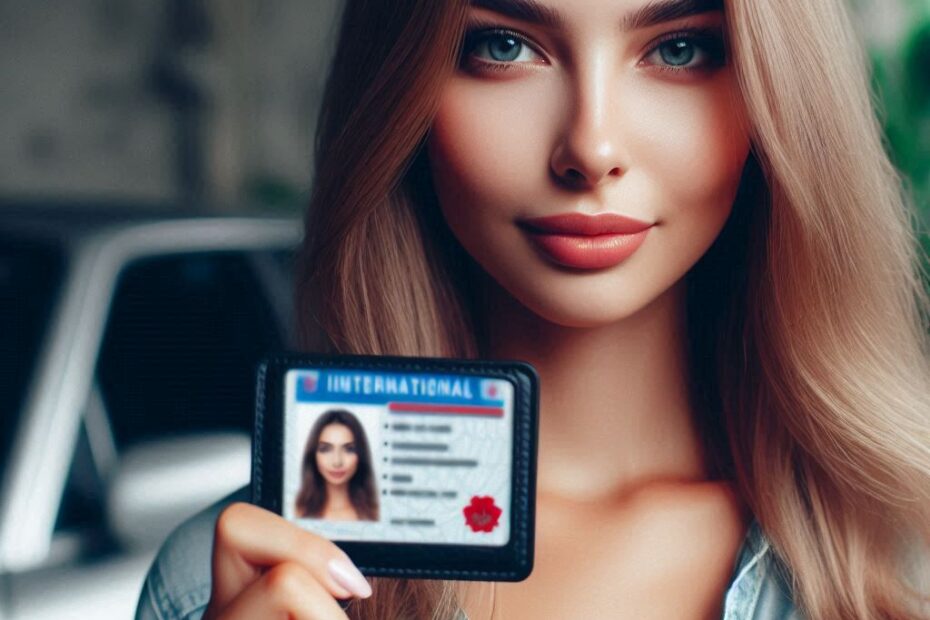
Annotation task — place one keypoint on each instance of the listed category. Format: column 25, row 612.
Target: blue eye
column 504, row 48
column 497, row 46
column 677, row 53
column 688, row 51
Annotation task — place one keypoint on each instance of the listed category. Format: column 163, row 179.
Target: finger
column 249, row 540
column 287, row 590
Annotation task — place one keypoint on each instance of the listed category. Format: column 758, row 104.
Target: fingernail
column 343, row 571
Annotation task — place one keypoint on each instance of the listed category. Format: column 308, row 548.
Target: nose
column 588, row 153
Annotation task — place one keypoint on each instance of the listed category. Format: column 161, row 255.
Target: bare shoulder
column 698, row 524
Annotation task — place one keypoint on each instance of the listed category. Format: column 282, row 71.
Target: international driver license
column 415, row 458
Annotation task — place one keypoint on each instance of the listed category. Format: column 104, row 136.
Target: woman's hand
column 264, row 567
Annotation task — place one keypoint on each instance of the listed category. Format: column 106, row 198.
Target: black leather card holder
column 448, row 459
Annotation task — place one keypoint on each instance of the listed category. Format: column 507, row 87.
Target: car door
column 165, row 430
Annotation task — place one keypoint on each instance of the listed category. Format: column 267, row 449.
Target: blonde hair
column 829, row 426
column 817, row 320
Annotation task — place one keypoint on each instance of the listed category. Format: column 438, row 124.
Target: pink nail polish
column 344, row 572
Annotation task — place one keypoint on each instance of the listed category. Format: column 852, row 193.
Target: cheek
column 488, row 151
column 459, row 149
column 489, row 159
column 690, row 145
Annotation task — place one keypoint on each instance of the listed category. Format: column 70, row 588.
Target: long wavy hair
column 808, row 317
column 311, row 499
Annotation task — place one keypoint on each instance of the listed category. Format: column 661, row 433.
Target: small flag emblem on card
column 308, row 381
column 491, row 390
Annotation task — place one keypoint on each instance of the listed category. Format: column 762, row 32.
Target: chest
column 597, row 567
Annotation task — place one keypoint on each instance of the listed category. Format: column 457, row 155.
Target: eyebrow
column 650, row 14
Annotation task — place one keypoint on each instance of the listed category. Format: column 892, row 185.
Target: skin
column 265, row 567
column 629, row 525
column 337, row 462
column 588, row 118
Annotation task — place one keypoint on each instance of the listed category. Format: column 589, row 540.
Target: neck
column 615, row 412
column 337, row 497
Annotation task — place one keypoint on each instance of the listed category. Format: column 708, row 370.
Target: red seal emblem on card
column 481, row 515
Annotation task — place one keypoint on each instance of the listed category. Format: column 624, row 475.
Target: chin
column 587, row 304
column 577, row 314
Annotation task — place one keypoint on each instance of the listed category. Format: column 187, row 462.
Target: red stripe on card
column 430, row 408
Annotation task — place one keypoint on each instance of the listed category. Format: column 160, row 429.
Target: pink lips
column 586, row 241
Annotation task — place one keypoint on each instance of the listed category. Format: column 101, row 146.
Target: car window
column 180, row 349
column 183, row 338
column 30, row 277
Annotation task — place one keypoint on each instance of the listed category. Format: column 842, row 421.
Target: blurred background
column 155, row 157
column 194, row 102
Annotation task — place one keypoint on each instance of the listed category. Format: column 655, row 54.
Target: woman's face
column 584, row 109
column 336, row 457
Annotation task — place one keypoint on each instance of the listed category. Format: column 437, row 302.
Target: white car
column 127, row 362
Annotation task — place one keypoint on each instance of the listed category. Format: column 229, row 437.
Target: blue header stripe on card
column 381, row 388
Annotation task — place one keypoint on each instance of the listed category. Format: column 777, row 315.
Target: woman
column 338, row 482
column 733, row 417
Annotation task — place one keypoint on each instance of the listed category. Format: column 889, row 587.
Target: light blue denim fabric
column 178, row 584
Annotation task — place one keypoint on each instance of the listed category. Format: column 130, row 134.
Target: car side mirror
column 158, row 484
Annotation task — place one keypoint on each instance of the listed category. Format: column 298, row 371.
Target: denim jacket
column 178, row 584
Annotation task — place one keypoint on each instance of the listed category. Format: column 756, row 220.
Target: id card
column 416, row 467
